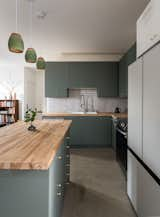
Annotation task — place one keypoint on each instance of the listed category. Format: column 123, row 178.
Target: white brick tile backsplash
column 72, row 103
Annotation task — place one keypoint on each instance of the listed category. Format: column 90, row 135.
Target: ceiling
column 73, row 26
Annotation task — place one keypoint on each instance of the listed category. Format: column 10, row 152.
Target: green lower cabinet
column 35, row 193
column 90, row 131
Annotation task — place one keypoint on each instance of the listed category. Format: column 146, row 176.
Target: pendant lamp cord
column 31, row 22
column 16, row 15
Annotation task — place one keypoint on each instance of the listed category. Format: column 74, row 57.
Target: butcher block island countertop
column 21, row 149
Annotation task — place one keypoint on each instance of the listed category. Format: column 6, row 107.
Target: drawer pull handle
column 59, row 185
column 67, row 146
column 59, row 194
column 59, row 157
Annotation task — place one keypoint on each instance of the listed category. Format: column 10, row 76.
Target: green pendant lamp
column 30, row 55
column 15, row 42
column 41, row 64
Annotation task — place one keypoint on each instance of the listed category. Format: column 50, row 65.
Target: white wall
column 12, row 77
column 34, row 88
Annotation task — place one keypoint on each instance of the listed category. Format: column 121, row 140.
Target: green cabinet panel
column 60, row 76
column 56, row 79
column 33, row 193
column 126, row 60
column 82, row 75
column 90, row 131
column 123, row 77
column 107, row 81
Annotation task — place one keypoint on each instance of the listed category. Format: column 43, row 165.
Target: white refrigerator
column 144, row 134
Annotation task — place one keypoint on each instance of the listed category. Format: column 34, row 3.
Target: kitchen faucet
column 82, row 103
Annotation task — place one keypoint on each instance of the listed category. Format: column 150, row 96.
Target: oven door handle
column 123, row 133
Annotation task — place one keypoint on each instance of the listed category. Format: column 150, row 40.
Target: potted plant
column 30, row 116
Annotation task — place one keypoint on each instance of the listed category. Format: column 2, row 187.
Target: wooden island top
column 21, row 149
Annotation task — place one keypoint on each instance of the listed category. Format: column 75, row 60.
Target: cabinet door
column 56, row 79
column 151, row 109
column 123, row 77
column 91, row 131
column 148, row 30
column 126, row 60
column 59, row 185
column 134, row 190
column 150, row 195
column 82, row 75
column 107, row 82
column 135, row 107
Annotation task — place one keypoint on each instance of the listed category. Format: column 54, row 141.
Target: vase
column 32, row 127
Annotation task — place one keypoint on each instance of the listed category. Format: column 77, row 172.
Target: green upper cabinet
column 123, row 77
column 56, row 79
column 82, row 75
column 60, row 76
column 126, row 60
column 107, row 80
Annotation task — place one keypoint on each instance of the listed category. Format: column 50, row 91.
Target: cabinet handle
column 67, row 137
column 59, row 157
column 59, row 194
column 59, row 185
column 67, row 146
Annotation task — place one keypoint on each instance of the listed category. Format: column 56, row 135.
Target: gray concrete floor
column 98, row 186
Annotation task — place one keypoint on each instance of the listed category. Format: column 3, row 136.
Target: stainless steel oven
column 121, row 143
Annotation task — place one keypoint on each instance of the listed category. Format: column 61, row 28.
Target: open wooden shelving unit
column 9, row 111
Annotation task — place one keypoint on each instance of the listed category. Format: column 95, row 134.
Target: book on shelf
column 9, row 111
column 6, row 103
column 6, row 119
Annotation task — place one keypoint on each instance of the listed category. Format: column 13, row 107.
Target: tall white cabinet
column 149, row 195
column 151, row 109
column 135, row 107
column 133, row 182
column 143, row 191
column 144, row 133
column 148, row 28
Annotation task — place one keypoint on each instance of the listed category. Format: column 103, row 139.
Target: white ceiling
column 87, row 26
